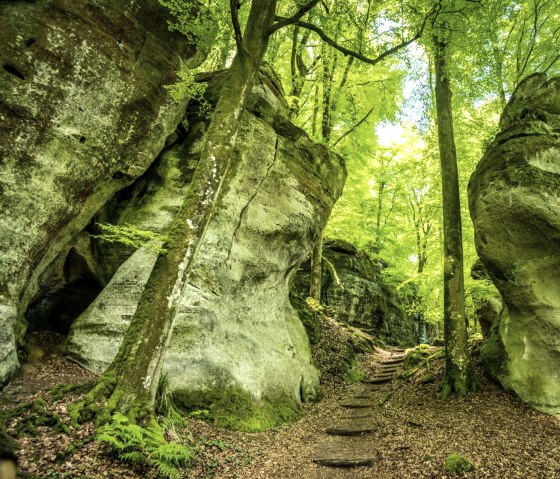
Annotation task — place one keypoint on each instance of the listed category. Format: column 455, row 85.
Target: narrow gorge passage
column 279, row 239
column 354, row 428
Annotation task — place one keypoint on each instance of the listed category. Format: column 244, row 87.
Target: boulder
column 354, row 287
column 238, row 351
column 514, row 200
column 83, row 113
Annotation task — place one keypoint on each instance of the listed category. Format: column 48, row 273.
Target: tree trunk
column 315, row 278
column 131, row 382
column 460, row 377
column 298, row 70
column 328, row 68
column 499, row 70
column 380, row 193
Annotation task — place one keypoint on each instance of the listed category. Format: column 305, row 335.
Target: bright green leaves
column 131, row 236
column 145, row 445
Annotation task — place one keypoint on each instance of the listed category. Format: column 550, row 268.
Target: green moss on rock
column 237, row 409
column 493, row 352
column 457, row 464
column 309, row 317
column 417, row 356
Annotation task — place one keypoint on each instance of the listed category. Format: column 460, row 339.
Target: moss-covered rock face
column 354, row 287
column 239, row 351
column 457, row 464
column 514, row 199
column 82, row 114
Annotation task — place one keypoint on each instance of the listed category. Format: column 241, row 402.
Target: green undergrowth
column 33, row 415
column 355, row 374
column 145, row 446
column 419, row 358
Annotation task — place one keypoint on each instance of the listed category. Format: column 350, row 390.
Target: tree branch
column 234, row 5
column 285, row 21
column 359, row 56
column 353, row 128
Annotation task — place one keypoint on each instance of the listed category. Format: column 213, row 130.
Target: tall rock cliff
column 85, row 119
column 83, row 113
column 238, row 349
column 514, row 199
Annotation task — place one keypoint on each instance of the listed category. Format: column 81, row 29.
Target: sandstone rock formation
column 514, row 199
column 83, row 113
column 239, row 349
column 354, row 287
column 486, row 299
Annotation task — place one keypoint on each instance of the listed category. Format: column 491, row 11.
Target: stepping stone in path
column 355, row 405
column 393, row 361
column 351, row 430
column 380, row 380
column 358, row 416
column 354, row 461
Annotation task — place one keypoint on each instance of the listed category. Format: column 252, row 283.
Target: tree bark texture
column 315, row 278
column 460, row 377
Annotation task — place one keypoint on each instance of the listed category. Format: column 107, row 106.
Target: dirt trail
column 409, row 430
column 347, row 442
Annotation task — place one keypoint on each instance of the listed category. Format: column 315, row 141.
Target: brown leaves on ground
column 502, row 436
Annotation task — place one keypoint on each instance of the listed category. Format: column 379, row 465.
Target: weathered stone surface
column 248, row 356
column 354, row 288
column 487, row 312
column 82, row 114
column 514, row 199
column 149, row 204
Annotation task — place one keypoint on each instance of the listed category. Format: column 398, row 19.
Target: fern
column 129, row 235
column 145, row 446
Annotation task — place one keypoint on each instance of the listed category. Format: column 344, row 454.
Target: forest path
column 410, row 431
column 347, row 443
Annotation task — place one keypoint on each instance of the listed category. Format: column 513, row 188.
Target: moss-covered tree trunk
column 315, row 278
column 460, row 377
column 131, row 382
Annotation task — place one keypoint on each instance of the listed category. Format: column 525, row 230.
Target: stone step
column 383, row 375
column 355, row 405
column 363, row 396
column 358, row 416
column 380, row 380
column 355, row 460
column 351, row 430
column 393, row 361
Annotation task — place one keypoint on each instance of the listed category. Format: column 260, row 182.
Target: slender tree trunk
column 499, row 67
column 380, row 193
column 460, row 377
column 298, row 70
column 327, row 89
column 315, row 278
column 131, row 382
column 316, row 107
